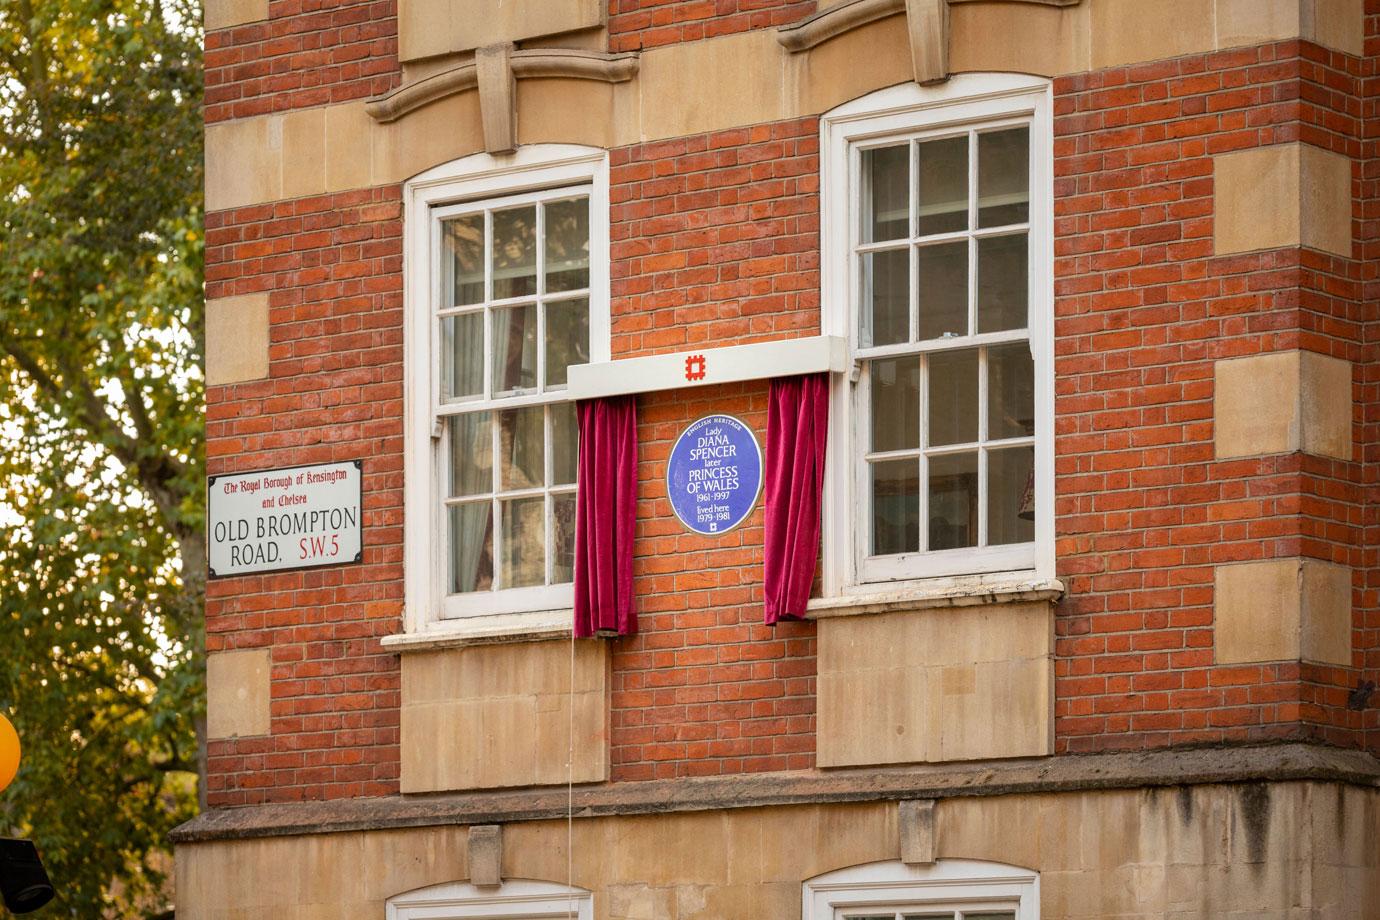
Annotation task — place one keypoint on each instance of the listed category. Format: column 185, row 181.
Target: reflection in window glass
column 1002, row 283
column 953, row 501
column 463, row 263
column 1010, row 391
column 567, row 245
column 943, row 290
column 1004, row 177
column 567, row 338
column 953, row 380
column 462, row 356
column 895, row 507
column 886, row 280
column 943, row 181
column 515, row 252
column 895, row 403
column 886, row 174
column 1011, row 495
column 471, row 541
column 524, row 542
column 515, row 348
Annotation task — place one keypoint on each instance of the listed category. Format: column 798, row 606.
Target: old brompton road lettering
column 284, row 519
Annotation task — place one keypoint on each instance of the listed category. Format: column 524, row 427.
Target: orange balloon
column 9, row 752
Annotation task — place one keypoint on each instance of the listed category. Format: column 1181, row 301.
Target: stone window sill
column 949, row 593
column 528, row 626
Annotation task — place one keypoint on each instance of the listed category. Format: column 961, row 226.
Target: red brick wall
column 332, row 267
column 715, row 240
column 1368, row 237
column 308, row 53
column 637, row 24
column 1143, row 309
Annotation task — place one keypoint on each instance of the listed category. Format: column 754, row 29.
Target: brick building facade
column 1112, row 651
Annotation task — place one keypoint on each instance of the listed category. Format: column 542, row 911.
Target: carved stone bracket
column 927, row 22
column 493, row 72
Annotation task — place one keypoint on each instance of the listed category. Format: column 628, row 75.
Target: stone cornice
column 558, row 63
column 1285, row 762
column 844, row 17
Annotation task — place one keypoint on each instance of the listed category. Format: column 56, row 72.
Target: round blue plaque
column 714, row 474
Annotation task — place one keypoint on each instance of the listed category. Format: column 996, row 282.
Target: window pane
column 567, row 245
column 895, row 507
column 895, row 403
column 471, row 547
column 886, row 206
column 471, row 454
column 943, row 185
column 515, row 348
column 564, row 443
column 1004, row 177
column 463, row 268
column 520, row 446
column 943, row 291
column 524, row 543
column 1010, row 391
column 1002, row 282
column 886, row 298
column 462, row 356
column 567, row 338
column 563, row 538
column 1011, row 495
column 953, row 501
column 953, row 397
column 985, row 915
column 515, row 252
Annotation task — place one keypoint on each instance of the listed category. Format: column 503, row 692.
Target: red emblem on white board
column 694, row 367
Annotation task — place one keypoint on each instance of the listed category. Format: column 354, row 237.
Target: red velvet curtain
column 606, row 517
column 797, row 432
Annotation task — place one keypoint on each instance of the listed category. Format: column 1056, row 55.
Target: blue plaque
column 714, row 474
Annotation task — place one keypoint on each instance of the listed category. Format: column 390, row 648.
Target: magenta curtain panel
column 797, row 433
column 606, row 517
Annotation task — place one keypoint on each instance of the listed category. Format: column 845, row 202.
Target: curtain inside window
column 605, row 517
column 797, row 433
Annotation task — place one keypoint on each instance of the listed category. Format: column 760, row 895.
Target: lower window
column 516, row 899
column 950, row 889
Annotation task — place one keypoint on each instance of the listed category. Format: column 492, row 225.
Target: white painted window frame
column 426, row 198
column 948, row 884
column 968, row 100
column 515, row 899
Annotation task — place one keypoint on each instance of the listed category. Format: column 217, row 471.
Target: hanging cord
column 570, row 792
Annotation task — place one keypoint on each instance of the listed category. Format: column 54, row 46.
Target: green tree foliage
column 101, row 457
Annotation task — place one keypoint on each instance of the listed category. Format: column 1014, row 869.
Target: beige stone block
column 304, row 152
column 1282, row 195
column 708, row 85
column 222, row 14
column 236, row 339
column 1280, row 402
column 1337, row 24
column 1282, row 610
column 1132, row 31
column 1019, row 37
column 427, row 28
column 501, row 715
column 243, row 163
column 1325, row 202
column 935, row 685
column 848, row 66
column 237, row 693
column 551, row 111
column 1255, row 22
column 445, row 130
column 347, row 151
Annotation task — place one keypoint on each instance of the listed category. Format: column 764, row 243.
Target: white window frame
column 952, row 884
column 476, row 179
column 965, row 101
column 515, row 899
